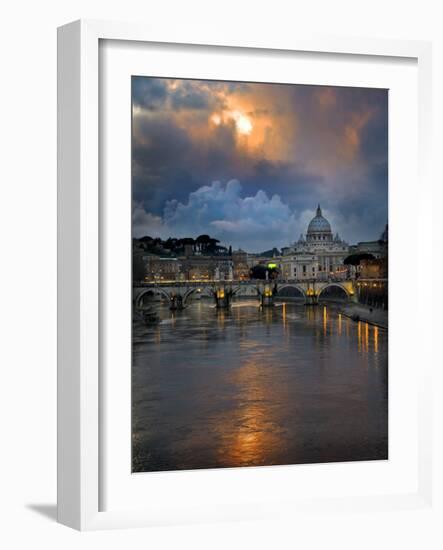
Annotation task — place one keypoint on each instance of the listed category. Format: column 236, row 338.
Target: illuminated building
column 319, row 255
column 206, row 268
column 240, row 265
column 161, row 269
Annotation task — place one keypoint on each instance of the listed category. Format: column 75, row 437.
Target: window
column 304, row 269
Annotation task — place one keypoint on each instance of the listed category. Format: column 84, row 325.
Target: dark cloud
column 187, row 97
column 312, row 144
column 149, row 93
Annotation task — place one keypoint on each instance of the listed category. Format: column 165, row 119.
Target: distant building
column 378, row 248
column 206, row 268
column 373, row 263
column 373, row 269
column 161, row 269
column 240, row 265
column 318, row 255
column 300, row 266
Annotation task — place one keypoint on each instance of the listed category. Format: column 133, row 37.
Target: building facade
column 206, row 268
column 377, row 249
column 240, row 265
column 161, row 269
column 317, row 255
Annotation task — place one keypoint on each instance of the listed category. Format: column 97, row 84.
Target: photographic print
column 259, row 273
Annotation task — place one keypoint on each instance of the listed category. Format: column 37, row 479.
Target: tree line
column 203, row 244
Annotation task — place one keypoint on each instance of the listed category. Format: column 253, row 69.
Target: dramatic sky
column 247, row 163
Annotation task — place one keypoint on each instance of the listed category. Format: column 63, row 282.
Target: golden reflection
column 375, row 339
column 339, row 324
column 367, row 337
column 257, row 435
column 311, row 313
column 325, row 320
column 221, row 318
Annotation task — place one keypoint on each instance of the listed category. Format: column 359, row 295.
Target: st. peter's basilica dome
column 319, row 226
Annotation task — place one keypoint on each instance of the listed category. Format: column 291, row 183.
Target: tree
column 355, row 259
column 202, row 242
column 212, row 246
column 262, row 271
column 188, row 242
column 258, row 271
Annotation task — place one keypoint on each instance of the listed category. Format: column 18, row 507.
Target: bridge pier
column 266, row 294
column 223, row 296
column 311, row 300
column 267, row 301
column 176, row 302
column 312, row 295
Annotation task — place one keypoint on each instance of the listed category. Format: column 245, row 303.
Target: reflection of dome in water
column 319, row 224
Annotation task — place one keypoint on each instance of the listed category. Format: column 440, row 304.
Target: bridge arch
column 188, row 294
column 298, row 288
column 152, row 292
column 245, row 290
column 335, row 285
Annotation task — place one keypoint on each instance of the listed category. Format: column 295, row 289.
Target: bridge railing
column 197, row 283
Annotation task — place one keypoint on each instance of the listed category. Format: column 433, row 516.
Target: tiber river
column 287, row 384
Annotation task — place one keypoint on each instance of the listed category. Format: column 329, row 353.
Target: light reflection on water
column 249, row 386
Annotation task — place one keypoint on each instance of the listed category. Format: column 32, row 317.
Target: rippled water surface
column 281, row 385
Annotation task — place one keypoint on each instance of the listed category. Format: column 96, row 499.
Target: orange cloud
column 352, row 132
column 326, row 97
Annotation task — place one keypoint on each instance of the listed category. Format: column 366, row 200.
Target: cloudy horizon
column 248, row 163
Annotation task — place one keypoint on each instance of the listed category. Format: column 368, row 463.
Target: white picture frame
column 80, row 367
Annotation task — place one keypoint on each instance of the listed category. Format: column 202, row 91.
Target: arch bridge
column 178, row 293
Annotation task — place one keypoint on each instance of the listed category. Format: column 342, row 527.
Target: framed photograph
column 236, row 285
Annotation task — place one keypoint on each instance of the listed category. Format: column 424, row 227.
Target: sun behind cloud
column 242, row 123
